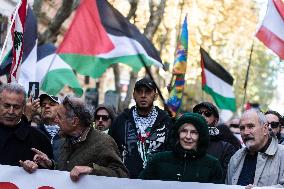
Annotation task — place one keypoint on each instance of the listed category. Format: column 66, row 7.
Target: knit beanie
column 207, row 105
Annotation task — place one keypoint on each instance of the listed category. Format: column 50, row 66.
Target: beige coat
column 269, row 168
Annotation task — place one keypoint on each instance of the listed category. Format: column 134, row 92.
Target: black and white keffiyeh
column 144, row 125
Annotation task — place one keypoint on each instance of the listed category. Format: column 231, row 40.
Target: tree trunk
column 51, row 33
column 156, row 15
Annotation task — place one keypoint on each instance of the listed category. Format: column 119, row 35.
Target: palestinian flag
column 217, row 82
column 100, row 36
column 41, row 63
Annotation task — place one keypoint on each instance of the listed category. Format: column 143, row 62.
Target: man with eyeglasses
column 142, row 130
column 85, row 150
column 104, row 116
column 273, row 119
column 218, row 148
column 261, row 163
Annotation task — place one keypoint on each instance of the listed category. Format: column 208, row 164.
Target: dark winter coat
column 172, row 166
column 124, row 132
column 221, row 150
column 17, row 143
column 186, row 165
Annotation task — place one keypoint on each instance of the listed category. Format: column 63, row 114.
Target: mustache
column 248, row 138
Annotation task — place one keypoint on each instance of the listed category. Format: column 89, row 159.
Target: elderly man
column 142, row 130
column 104, row 116
column 86, row 150
column 17, row 137
column 261, row 163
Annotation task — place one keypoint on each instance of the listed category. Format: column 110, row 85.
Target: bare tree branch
column 37, row 8
column 50, row 34
column 151, row 28
column 133, row 8
column 155, row 18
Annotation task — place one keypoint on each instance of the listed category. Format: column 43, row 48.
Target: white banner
column 16, row 178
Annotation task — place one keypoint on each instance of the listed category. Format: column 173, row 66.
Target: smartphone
column 33, row 90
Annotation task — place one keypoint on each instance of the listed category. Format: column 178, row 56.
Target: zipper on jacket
column 184, row 166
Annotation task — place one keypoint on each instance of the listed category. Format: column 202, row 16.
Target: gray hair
column 261, row 117
column 14, row 88
column 77, row 108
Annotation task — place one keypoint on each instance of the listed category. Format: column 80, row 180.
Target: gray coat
column 269, row 168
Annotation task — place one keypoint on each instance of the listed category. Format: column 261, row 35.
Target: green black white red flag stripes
column 100, row 36
column 217, row 82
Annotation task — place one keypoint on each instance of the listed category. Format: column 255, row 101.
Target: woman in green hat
column 188, row 161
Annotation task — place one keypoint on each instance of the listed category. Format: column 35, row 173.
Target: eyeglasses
column 274, row 124
column 71, row 105
column 206, row 113
column 104, row 117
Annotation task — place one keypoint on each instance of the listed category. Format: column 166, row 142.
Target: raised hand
column 31, row 107
column 42, row 159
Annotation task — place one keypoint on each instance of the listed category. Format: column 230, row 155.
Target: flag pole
column 247, row 75
column 8, row 31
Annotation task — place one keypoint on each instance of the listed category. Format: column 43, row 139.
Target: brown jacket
column 94, row 149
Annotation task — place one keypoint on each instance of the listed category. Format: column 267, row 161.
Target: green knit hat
column 201, row 126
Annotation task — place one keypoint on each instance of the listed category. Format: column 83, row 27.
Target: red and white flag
column 271, row 32
column 17, row 32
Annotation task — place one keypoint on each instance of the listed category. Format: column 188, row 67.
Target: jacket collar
column 272, row 148
column 79, row 139
column 22, row 130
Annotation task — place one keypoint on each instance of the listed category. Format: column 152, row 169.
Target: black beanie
column 207, row 105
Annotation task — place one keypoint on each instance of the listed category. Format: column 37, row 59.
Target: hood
column 201, row 126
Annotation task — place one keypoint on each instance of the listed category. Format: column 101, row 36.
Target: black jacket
column 124, row 132
column 222, row 150
column 17, row 143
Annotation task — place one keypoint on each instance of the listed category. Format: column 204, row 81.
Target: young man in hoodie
column 218, row 148
column 142, row 130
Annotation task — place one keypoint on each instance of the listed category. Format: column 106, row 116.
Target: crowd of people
column 142, row 142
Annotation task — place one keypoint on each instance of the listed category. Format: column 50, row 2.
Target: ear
column 265, row 129
column 75, row 121
column 156, row 96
